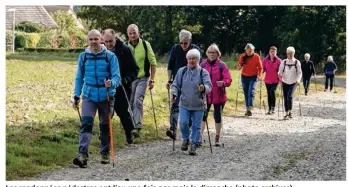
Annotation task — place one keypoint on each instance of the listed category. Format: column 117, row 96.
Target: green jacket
column 139, row 55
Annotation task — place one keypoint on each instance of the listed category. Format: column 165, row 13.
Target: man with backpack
column 129, row 72
column 290, row 74
column 146, row 61
column 176, row 60
column 308, row 71
column 98, row 76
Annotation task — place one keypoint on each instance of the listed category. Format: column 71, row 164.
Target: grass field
column 41, row 126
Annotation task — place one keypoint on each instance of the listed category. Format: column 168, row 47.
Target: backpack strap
column 290, row 65
column 96, row 58
column 221, row 69
column 145, row 47
column 203, row 64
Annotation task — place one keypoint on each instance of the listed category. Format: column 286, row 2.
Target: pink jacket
column 218, row 94
column 271, row 69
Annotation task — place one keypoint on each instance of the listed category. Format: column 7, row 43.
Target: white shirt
column 290, row 76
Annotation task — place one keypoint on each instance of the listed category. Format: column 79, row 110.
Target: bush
column 54, row 50
column 64, row 40
column 29, row 27
column 47, row 39
column 32, row 39
column 20, row 40
column 8, row 39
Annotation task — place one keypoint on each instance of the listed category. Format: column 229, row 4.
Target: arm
column 313, row 69
column 325, row 66
column 176, row 83
column 263, row 65
column 133, row 69
column 299, row 72
column 115, row 72
column 227, row 79
column 240, row 62
column 335, row 67
column 206, row 82
column 79, row 79
column 280, row 71
column 259, row 67
column 152, row 59
column 171, row 63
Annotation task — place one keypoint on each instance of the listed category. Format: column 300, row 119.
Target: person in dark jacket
column 308, row 71
column 176, row 60
column 129, row 72
column 330, row 69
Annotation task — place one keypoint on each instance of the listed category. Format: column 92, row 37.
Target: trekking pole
column 264, row 106
column 282, row 96
column 237, row 94
column 335, row 91
column 110, row 128
column 136, row 135
column 315, row 82
column 174, row 131
column 154, row 114
column 211, row 149
column 260, row 94
column 78, row 111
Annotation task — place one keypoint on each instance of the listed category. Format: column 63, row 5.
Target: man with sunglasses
column 129, row 72
column 176, row 60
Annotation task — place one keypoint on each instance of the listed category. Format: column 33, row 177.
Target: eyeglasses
column 184, row 43
column 211, row 52
column 91, row 39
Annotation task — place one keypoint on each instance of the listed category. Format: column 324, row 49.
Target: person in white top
column 290, row 74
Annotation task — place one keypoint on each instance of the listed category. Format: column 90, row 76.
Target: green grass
column 42, row 128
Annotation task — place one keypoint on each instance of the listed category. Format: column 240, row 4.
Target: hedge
column 55, row 50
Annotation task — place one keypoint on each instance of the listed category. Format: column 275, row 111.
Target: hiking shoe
column 80, row 160
column 217, row 140
column 272, row 110
column 105, row 159
column 199, row 144
column 269, row 112
column 249, row 113
column 184, row 145
column 325, row 90
column 136, row 133
column 129, row 138
column 193, row 149
column 290, row 115
column 171, row 134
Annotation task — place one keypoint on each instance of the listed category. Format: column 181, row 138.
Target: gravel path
column 340, row 82
column 308, row 147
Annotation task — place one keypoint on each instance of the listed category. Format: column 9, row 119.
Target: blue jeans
column 249, row 84
column 197, row 116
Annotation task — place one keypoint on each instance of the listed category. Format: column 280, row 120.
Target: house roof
column 36, row 14
column 54, row 8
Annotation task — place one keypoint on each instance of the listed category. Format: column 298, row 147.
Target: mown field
column 42, row 128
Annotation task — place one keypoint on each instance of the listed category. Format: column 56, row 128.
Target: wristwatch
column 151, row 81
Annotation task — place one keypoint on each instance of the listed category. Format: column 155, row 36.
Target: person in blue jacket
column 330, row 69
column 97, row 73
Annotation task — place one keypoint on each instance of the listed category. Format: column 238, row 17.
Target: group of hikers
column 113, row 75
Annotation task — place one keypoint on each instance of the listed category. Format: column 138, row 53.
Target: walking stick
column 260, row 94
column 154, row 114
column 174, row 131
column 335, row 91
column 315, row 82
column 211, row 149
column 110, row 129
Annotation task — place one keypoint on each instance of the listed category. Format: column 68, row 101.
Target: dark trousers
column 288, row 90
column 218, row 108
column 271, row 96
column 306, row 83
column 331, row 79
column 121, row 108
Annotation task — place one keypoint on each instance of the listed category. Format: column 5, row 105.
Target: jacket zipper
column 211, row 78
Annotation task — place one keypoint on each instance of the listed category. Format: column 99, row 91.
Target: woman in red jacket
column 220, row 78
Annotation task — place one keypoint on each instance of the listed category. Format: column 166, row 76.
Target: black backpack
column 146, row 62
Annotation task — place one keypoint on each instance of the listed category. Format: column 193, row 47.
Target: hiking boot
column 80, row 160
column 217, row 140
column 129, row 138
column 249, row 113
column 286, row 116
column 193, row 149
column 272, row 110
column 105, row 159
column 184, row 145
column 136, row 133
column 171, row 134
column 269, row 112
column 290, row 115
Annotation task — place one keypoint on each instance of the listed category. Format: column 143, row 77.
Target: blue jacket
column 329, row 68
column 177, row 58
column 91, row 82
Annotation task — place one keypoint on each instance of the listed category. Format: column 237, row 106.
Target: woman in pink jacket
column 220, row 78
column 271, row 65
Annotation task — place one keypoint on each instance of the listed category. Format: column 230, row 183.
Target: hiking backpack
column 96, row 58
column 290, row 65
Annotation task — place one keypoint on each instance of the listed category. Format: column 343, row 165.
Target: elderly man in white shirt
column 290, row 74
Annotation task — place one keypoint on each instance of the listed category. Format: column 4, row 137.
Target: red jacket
column 218, row 94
